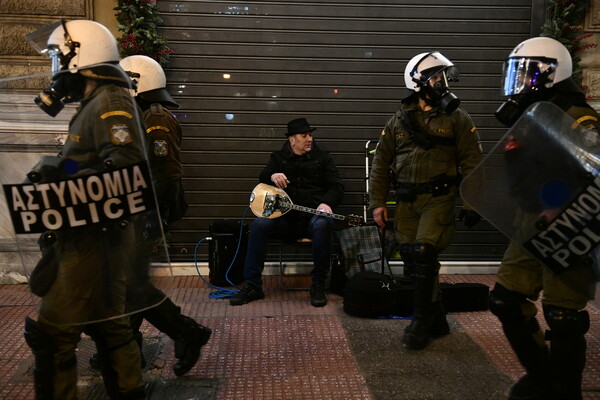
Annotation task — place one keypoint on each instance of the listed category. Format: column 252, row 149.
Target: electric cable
column 222, row 293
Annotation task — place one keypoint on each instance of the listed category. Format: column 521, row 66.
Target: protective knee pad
column 425, row 260
column 506, row 304
column 566, row 322
column 424, row 253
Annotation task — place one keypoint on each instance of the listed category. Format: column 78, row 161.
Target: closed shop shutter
column 241, row 70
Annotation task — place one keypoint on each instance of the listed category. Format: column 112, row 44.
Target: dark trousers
column 319, row 229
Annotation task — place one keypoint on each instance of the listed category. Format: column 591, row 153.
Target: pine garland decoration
column 138, row 21
column 565, row 23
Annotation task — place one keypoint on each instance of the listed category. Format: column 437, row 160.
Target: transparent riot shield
column 78, row 202
column 540, row 186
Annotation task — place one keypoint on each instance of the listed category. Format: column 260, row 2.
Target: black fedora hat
column 298, row 125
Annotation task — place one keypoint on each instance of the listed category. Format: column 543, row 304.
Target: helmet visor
column 39, row 40
column 526, row 74
column 441, row 78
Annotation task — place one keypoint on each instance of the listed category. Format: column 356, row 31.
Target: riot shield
column 540, row 186
column 78, row 203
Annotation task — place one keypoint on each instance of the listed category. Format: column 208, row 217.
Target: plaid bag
column 361, row 245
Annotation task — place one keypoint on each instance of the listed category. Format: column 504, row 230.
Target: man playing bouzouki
column 311, row 179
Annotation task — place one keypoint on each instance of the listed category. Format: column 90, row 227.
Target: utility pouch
column 406, row 194
column 440, row 185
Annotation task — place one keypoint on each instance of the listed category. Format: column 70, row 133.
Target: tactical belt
column 438, row 186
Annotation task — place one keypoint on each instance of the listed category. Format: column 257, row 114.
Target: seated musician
column 311, row 179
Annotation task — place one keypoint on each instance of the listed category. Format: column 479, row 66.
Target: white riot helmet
column 80, row 44
column 536, row 64
column 418, row 73
column 530, row 74
column 77, row 49
column 149, row 80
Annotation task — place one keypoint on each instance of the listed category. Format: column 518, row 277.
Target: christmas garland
column 564, row 22
column 138, row 20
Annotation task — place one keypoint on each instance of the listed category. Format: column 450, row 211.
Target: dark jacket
column 314, row 178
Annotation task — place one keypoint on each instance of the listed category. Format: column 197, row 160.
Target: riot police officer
column 540, row 69
column 163, row 140
column 87, row 292
column 426, row 145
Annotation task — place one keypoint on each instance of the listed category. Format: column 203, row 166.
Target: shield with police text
column 540, row 186
column 77, row 201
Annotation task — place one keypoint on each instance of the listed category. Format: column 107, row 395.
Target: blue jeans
column 320, row 230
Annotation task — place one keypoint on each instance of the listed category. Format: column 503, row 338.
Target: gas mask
column 526, row 81
column 65, row 88
column 509, row 112
column 439, row 94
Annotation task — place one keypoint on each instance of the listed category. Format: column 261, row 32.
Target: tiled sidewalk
column 282, row 348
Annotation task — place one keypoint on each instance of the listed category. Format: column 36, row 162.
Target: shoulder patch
column 590, row 136
column 590, row 132
column 383, row 132
column 116, row 113
column 119, row 134
column 160, row 148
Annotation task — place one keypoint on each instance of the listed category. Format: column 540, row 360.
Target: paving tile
column 277, row 348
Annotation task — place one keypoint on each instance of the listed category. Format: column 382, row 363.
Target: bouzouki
column 268, row 201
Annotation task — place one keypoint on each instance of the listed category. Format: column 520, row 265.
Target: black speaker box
column 228, row 236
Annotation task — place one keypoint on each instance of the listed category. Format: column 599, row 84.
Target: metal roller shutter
column 339, row 63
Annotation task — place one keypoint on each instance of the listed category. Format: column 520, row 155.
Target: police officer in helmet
column 87, row 291
column 163, row 140
column 426, row 145
column 539, row 69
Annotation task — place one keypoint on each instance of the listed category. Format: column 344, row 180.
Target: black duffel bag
column 369, row 293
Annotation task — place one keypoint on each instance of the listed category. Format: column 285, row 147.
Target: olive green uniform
column 553, row 371
column 91, row 281
column 520, row 272
column 428, row 219
column 163, row 140
column 422, row 154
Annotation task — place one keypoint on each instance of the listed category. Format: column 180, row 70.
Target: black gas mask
column 439, row 95
column 65, row 88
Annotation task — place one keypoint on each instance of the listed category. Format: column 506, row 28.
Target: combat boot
column 188, row 335
column 188, row 345
column 567, row 349
column 418, row 334
column 531, row 387
column 527, row 340
column 43, row 348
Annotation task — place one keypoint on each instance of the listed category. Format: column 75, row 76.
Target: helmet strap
column 65, row 59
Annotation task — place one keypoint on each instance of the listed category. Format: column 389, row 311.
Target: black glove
column 470, row 218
